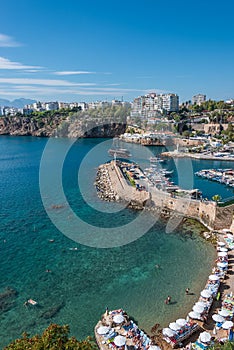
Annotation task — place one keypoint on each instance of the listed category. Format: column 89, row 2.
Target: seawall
column 206, row 212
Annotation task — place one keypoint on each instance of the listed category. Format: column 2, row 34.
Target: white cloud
column 7, row 64
column 75, row 72
column 8, row 41
column 45, row 82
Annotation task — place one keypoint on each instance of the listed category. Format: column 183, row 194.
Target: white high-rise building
column 151, row 105
column 170, row 102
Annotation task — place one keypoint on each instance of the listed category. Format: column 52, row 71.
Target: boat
column 155, row 160
column 119, row 152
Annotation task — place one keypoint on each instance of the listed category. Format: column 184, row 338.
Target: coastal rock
column 57, row 126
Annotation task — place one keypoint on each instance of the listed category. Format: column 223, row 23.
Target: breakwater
column 115, row 183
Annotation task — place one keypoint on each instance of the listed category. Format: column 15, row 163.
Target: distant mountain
column 18, row 103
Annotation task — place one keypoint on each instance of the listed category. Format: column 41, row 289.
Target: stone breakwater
column 112, row 184
column 104, row 186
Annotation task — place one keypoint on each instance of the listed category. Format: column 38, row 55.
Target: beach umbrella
column 118, row 318
column 221, row 244
column 225, row 230
column 201, row 303
column 223, row 313
column 119, row 340
column 168, row 332
column 181, row 322
column 198, row 308
column 218, row 318
column 213, row 278
column 154, row 347
column 174, row 326
column 222, row 264
column 205, row 337
column 103, row 330
column 223, row 249
column 205, row 293
column 222, row 254
column 227, row 325
column 195, row 315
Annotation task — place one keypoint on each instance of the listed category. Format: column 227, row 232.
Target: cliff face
column 61, row 127
column 91, row 128
column 25, row 126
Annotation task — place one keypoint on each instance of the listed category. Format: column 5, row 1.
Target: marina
column 223, row 176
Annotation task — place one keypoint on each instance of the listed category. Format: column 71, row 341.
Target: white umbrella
column 225, row 230
column 168, row 332
column 222, row 264
column 103, row 330
column 174, row 326
column 181, row 322
column 201, row 303
column 213, row 277
column 227, row 325
column 218, row 318
column 154, row 347
column 222, row 254
column 194, row 315
column 198, row 308
column 205, row 293
column 223, row 313
column 118, row 318
column 205, row 337
column 119, row 340
column 221, row 244
column 223, row 249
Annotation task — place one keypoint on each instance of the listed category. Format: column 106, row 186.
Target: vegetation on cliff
column 102, row 122
column 54, row 337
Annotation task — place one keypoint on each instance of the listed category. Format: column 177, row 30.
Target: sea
column 75, row 255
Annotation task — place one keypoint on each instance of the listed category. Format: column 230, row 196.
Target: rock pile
column 103, row 185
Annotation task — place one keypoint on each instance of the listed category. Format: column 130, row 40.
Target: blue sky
column 99, row 50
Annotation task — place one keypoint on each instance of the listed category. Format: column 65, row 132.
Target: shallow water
column 83, row 282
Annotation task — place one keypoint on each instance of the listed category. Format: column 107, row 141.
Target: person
column 187, row 291
column 168, row 299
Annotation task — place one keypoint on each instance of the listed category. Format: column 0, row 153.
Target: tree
column 217, row 198
column 55, row 337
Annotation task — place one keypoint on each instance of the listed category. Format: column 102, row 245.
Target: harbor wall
column 207, row 212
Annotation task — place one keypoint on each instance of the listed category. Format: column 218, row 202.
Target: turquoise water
column 83, row 282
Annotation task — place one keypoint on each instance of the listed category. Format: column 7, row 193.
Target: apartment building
column 152, row 105
column 198, row 99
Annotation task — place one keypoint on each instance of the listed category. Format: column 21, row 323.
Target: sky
column 73, row 50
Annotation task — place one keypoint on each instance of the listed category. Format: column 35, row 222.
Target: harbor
column 223, row 176
column 211, row 317
column 152, row 190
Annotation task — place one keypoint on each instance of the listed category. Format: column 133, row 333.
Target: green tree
column 55, row 337
column 217, row 198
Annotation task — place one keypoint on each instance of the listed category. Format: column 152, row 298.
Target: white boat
column 156, row 160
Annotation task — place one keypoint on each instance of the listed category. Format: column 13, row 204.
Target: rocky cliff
column 62, row 127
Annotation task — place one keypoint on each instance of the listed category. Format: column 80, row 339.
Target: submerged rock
column 7, row 299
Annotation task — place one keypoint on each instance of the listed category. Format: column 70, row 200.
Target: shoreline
column 176, row 154
column 211, row 236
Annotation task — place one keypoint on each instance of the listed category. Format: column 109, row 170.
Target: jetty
column 204, row 155
column 125, row 181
